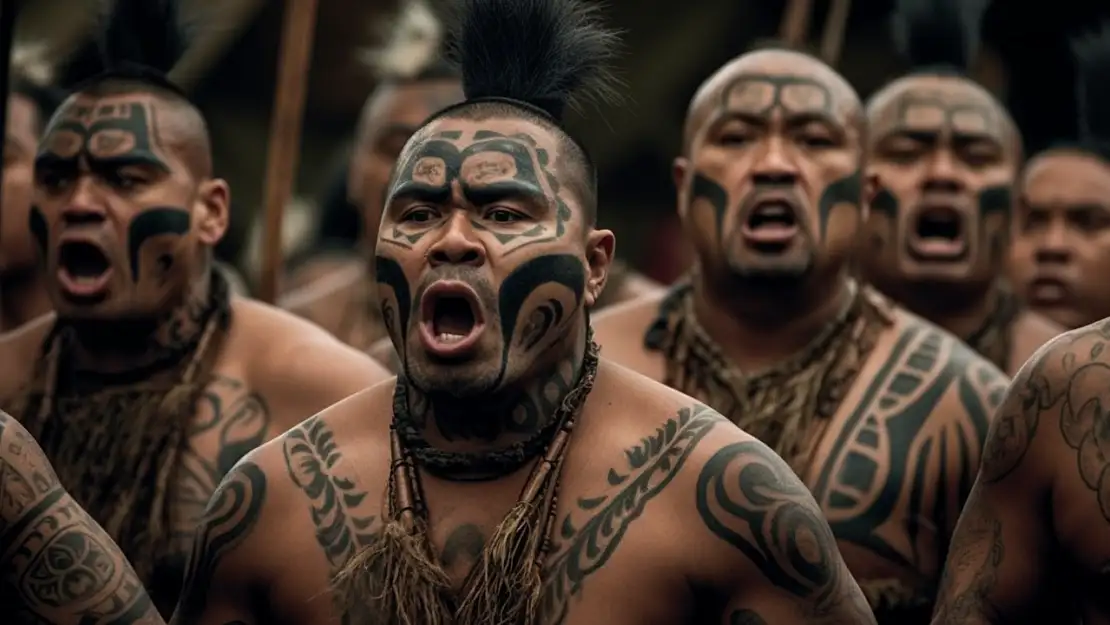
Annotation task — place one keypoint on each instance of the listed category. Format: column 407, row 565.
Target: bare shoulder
column 1031, row 331
column 324, row 291
column 620, row 328
column 294, row 361
column 383, row 351
column 1053, row 405
column 19, row 349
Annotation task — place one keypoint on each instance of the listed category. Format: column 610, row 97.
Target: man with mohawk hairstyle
column 946, row 155
column 31, row 101
column 414, row 82
column 521, row 480
column 1061, row 253
column 1033, row 542
column 150, row 380
column 41, row 526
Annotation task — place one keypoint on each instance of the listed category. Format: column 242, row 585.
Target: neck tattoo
column 995, row 337
column 535, row 415
column 781, row 405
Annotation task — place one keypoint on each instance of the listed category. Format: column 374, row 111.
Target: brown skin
column 329, row 289
column 21, row 280
column 758, row 326
column 273, row 368
column 654, row 532
column 41, row 527
column 1034, row 536
column 1063, row 237
column 940, row 140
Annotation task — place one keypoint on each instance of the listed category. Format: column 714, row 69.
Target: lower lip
column 770, row 234
column 84, row 287
column 940, row 249
column 1047, row 293
column 454, row 348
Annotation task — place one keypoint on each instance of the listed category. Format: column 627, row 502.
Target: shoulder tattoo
column 231, row 516
column 311, row 456
column 1069, row 377
column 56, row 562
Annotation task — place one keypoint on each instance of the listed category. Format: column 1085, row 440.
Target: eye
column 733, row 138
column 126, row 181
column 419, row 215
column 51, row 180
column 817, row 141
column 503, row 215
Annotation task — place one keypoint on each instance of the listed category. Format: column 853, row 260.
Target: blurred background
column 670, row 47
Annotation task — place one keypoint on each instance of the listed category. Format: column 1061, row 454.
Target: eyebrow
column 505, row 190
column 793, row 118
column 420, row 192
column 49, row 159
column 923, row 134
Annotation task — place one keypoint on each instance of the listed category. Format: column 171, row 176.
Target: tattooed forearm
column 231, row 516
column 310, row 456
column 751, row 499
column 57, row 565
column 584, row 549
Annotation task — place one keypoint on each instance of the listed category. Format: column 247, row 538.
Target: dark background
column 671, row 46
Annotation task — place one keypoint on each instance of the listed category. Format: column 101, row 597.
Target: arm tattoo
column 971, row 572
column 583, row 550
column 58, row 565
column 750, row 498
column 231, row 516
column 231, row 419
column 310, row 456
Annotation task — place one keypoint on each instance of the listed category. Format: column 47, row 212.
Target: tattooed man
column 30, row 103
column 528, row 483
column 42, row 527
column 880, row 412
column 150, row 381
column 416, row 82
column 1061, row 252
column 1033, row 542
column 946, row 154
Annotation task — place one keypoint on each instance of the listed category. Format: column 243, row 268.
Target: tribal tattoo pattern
column 58, row 565
column 311, row 457
column 491, row 168
column 902, row 463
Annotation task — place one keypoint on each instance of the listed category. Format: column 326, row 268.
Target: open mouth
column 1045, row 291
column 451, row 319
column 83, row 268
column 939, row 234
column 771, row 225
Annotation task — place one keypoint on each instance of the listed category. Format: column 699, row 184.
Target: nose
column 84, row 206
column 1052, row 247
column 457, row 245
column 942, row 175
column 774, row 166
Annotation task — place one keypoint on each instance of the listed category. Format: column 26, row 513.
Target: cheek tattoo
column 562, row 269
column 39, row 231
column 847, row 190
column 155, row 222
column 715, row 195
column 389, row 273
column 997, row 200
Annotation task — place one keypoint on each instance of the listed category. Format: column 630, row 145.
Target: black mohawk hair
column 938, row 33
column 138, row 40
column 1092, row 58
column 549, row 54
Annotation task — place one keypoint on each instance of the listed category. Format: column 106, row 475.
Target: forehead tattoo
column 493, row 167
column 760, row 94
column 933, row 112
column 117, row 133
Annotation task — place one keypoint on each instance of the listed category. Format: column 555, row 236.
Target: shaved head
column 776, row 62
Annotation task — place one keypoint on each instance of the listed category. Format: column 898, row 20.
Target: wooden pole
column 8, row 11
column 794, row 28
column 836, row 25
column 285, row 136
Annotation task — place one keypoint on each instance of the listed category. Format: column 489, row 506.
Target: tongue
column 453, row 317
